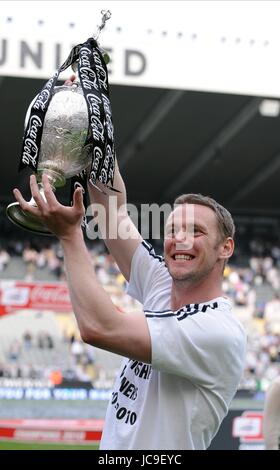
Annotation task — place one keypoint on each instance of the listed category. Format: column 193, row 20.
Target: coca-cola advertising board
column 16, row 295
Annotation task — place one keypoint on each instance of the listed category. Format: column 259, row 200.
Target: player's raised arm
column 118, row 231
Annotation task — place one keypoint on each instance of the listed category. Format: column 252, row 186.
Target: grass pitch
column 9, row 445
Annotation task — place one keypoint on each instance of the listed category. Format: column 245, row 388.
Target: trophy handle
column 26, row 220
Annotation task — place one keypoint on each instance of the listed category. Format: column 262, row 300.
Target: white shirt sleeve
column 146, row 269
column 206, row 347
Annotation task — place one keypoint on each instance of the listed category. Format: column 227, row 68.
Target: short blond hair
column 225, row 222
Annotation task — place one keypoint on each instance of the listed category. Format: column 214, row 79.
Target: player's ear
column 226, row 248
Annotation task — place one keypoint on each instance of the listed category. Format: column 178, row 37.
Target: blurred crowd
column 263, row 357
column 34, row 256
column 38, row 257
column 261, row 268
column 79, row 366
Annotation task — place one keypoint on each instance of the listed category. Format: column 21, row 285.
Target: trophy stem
column 26, row 220
column 56, row 177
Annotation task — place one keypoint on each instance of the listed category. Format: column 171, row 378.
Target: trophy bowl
column 63, row 152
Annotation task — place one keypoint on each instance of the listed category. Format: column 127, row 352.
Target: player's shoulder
column 149, row 250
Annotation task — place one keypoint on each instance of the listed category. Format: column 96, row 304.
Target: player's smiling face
column 191, row 245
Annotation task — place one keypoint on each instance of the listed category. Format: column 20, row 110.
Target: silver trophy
column 63, row 152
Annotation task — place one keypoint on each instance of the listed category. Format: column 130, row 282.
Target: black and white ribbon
column 93, row 76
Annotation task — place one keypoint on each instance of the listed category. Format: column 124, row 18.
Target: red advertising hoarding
column 17, row 295
column 36, row 430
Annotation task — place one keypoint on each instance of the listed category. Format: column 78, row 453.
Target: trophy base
column 25, row 220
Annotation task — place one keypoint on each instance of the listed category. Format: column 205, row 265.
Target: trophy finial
column 106, row 15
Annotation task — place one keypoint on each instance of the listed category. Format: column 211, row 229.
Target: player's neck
column 184, row 292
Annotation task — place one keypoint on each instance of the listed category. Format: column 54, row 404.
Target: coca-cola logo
column 42, row 100
column 101, row 72
column 50, row 295
column 30, row 146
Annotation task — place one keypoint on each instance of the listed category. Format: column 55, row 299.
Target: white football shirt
column 198, row 351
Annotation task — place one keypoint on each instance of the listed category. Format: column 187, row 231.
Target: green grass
column 9, row 445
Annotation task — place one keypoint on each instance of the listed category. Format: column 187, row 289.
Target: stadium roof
column 170, row 142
